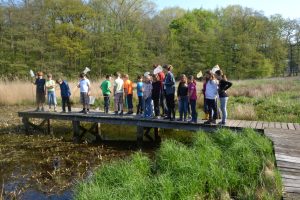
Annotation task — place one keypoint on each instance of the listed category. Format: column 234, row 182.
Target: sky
column 287, row 8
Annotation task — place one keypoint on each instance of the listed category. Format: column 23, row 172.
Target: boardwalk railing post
column 139, row 136
column 98, row 132
column 76, row 131
column 48, row 127
column 25, row 121
column 156, row 135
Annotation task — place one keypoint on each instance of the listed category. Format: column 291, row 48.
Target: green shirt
column 105, row 86
column 50, row 85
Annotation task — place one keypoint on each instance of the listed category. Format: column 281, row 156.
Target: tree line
column 65, row 36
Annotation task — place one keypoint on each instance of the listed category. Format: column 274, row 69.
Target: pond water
column 41, row 166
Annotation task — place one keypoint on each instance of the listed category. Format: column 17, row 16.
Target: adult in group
column 118, row 94
column 85, row 92
column 162, row 98
column 211, row 94
column 40, row 83
column 169, row 87
column 224, row 84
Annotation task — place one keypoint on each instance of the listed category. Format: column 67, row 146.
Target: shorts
column 84, row 98
column 40, row 97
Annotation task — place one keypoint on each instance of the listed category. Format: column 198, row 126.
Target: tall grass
column 223, row 165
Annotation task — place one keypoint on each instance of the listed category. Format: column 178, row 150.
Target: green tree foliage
column 65, row 36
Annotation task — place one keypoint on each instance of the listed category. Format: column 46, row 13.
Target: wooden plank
column 236, row 122
column 241, row 124
column 297, row 126
column 291, row 159
column 247, row 124
column 291, row 183
column 278, row 125
column 271, row 124
column 259, row 125
column 288, row 165
column 229, row 123
column 291, row 126
column 265, row 125
column 253, row 124
column 292, row 190
column 287, row 158
column 284, row 126
column 290, row 177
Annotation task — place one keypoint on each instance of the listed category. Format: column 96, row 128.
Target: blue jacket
column 65, row 89
column 169, row 83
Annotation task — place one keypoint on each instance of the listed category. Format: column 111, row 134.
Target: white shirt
column 211, row 91
column 118, row 85
column 84, row 85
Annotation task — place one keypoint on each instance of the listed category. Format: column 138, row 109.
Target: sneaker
column 207, row 122
column 42, row 109
column 63, row 111
column 129, row 113
column 213, row 121
column 82, row 111
column 179, row 120
column 37, row 110
column 86, row 112
column 116, row 112
column 222, row 123
column 121, row 113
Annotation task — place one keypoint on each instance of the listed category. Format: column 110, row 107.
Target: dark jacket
column 223, row 86
column 169, row 83
column 182, row 90
column 65, row 89
column 156, row 88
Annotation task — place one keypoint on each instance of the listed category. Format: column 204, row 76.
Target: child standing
column 182, row 95
column 139, row 91
column 192, row 93
column 156, row 89
column 147, row 95
column 65, row 94
column 118, row 94
column 50, row 85
column 169, row 86
column 211, row 94
column 128, row 88
column 223, row 86
column 40, row 91
column 105, row 87
column 205, row 107
column 85, row 90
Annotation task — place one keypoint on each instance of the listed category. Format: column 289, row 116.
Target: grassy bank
column 223, row 165
column 274, row 99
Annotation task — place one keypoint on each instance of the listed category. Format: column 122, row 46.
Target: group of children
column 47, row 87
column 155, row 92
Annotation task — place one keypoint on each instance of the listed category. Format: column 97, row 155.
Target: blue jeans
column 183, row 106
column 51, row 98
column 223, row 102
column 148, row 110
column 193, row 109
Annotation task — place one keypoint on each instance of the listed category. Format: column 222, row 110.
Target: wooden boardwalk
column 285, row 136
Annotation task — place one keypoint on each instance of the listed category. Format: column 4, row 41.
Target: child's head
column 168, row 67
column 190, row 79
column 117, row 75
column 126, row 77
column 155, row 77
column 108, row 77
column 40, row 74
column 59, row 81
column 49, row 76
column 211, row 76
column 147, row 78
column 140, row 78
column 183, row 78
column 82, row 75
column 220, row 75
